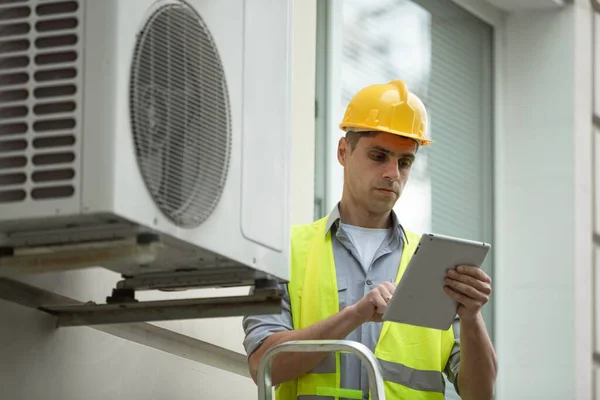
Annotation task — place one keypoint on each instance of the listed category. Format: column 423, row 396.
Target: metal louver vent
column 39, row 55
column 180, row 114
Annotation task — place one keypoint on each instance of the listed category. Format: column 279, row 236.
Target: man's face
column 377, row 169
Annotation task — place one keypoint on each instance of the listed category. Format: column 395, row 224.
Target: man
column 344, row 268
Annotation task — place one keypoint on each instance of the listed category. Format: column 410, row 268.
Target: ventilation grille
column 180, row 114
column 39, row 55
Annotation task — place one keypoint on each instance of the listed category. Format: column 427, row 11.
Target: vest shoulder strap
column 302, row 240
column 413, row 238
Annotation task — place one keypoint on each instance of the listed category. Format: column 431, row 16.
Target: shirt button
column 369, row 282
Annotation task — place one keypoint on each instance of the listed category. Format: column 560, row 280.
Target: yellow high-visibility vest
column 412, row 358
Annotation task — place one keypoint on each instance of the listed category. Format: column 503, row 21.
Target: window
column 444, row 53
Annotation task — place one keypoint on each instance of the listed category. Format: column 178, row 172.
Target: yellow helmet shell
column 388, row 108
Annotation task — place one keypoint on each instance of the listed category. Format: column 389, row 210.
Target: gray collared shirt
column 353, row 283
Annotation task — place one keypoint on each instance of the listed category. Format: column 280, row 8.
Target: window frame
column 329, row 36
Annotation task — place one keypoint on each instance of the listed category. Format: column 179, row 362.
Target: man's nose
column 392, row 172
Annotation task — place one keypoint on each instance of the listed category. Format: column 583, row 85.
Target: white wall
column 543, row 266
column 583, row 196
column 595, row 194
column 41, row 362
column 303, row 156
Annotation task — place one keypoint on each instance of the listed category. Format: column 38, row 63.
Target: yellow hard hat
column 388, row 108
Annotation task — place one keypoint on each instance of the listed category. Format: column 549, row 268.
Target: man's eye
column 378, row 157
column 404, row 164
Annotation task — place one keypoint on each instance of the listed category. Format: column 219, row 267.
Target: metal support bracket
column 146, row 334
column 260, row 302
column 122, row 306
column 313, row 346
column 178, row 280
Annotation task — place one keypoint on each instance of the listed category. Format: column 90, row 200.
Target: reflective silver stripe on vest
column 429, row 381
column 327, row 366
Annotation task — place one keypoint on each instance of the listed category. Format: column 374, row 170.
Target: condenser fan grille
column 180, row 114
column 39, row 115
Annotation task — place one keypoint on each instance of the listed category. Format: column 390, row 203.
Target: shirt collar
column 334, row 218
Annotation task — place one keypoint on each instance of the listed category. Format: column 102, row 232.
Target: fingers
column 377, row 318
column 475, row 272
column 379, row 298
column 386, row 289
column 466, row 290
column 467, row 302
column 382, row 294
column 374, row 303
column 458, row 297
column 469, row 286
column 391, row 287
column 379, row 303
column 481, row 286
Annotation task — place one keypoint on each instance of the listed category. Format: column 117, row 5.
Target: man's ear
column 343, row 150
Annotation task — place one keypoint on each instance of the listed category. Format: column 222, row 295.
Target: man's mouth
column 389, row 191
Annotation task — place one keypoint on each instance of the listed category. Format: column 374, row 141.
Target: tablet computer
column 419, row 298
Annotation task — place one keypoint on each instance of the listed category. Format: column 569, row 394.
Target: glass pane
column 384, row 41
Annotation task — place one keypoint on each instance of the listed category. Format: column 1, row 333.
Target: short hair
column 353, row 136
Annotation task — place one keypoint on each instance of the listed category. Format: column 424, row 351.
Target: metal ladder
column 263, row 377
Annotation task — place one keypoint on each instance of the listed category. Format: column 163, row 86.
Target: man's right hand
column 374, row 303
column 287, row 366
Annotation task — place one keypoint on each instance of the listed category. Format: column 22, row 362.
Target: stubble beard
column 379, row 205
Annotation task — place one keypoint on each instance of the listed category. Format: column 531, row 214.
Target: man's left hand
column 470, row 287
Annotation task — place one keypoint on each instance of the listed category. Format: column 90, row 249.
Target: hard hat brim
column 419, row 139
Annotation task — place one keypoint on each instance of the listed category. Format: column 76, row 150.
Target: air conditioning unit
column 152, row 138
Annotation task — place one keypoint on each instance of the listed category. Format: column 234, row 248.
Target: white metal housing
column 79, row 180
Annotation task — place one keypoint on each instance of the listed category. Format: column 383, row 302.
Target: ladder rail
column 374, row 376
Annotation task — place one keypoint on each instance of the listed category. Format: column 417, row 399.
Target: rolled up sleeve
column 259, row 327
column 453, row 365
